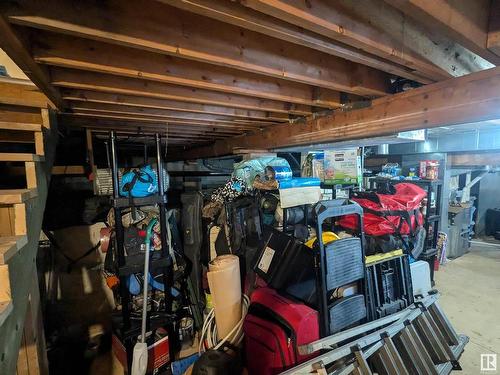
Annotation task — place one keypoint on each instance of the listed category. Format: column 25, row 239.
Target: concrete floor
column 470, row 296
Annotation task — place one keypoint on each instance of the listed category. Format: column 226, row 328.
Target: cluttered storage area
column 215, row 187
column 264, row 262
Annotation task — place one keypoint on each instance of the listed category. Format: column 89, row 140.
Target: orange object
column 112, row 281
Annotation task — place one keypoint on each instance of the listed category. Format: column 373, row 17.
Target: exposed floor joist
column 159, row 28
column 241, row 16
column 373, row 27
column 131, row 86
column 471, row 98
column 76, row 96
column 84, row 54
column 463, row 21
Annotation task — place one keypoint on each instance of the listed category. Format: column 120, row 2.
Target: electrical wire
column 208, row 338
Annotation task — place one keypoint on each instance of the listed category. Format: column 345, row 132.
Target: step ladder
column 418, row 340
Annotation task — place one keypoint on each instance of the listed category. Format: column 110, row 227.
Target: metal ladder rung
column 433, row 339
column 416, row 352
column 388, row 360
column 443, row 322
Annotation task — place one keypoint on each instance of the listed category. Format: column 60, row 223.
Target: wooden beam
column 494, row 28
column 375, row 28
column 72, row 121
column 21, row 92
column 12, row 44
column 131, row 86
column 241, row 16
column 71, row 52
column 146, row 119
column 143, row 102
column 162, row 114
column 475, row 159
column 464, row 21
column 471, row 98
column 149, row 25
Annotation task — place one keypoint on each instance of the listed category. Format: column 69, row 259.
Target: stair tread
column 12, row 156
column 11, row 245
column 13, row 196
column 21, row 126
column 5, row 310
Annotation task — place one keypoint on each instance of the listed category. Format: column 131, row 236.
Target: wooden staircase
column 22, row 349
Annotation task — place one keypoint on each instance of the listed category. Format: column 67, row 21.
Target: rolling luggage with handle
column 274, row 328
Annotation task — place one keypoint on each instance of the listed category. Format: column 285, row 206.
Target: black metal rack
column 126, row 328
column 431, row 212
column 432, row 219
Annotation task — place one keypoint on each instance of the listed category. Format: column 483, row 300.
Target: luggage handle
column 334, row 208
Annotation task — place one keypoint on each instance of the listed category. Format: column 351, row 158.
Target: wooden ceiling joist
column 149, row 25
column 131, row 86
column 236, row 14
column 471, row 98
column 162, row 115
column 374, row 28
column 463, row 21
column 12, row 44
column 142, row 102
column 146, row 119
column 493, row 42
column 101, row 57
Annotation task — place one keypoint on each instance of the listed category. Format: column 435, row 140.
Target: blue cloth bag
column 139, row 183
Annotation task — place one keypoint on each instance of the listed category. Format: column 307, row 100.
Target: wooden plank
column 474, row 159
column 21, row 92
column 30, row 167
column 159, row 121
column 142, row 102
column 68, row 170
column 493, row 42
column 375, row 28
column 463, row 21
column 17, row 114
column 10, row 245
column 70, row 52
column 162, row 114
column 7, row 125
column 12, row 44
column 129, row 86
column 20, row 157
column 241, row 16
column 183, row 34
column 139, row 127
column 20, row 223
column 13, row 196
column 39, row 143
column 471, row 98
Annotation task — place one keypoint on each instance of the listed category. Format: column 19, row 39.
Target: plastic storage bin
column 420, row 277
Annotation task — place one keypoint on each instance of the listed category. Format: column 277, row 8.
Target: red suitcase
column 274, row 327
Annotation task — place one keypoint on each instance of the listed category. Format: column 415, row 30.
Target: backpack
column 139, row 182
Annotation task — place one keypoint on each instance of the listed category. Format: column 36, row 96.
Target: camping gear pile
column 267, row 277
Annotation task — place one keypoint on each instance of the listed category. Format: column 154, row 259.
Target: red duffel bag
column 397, row 212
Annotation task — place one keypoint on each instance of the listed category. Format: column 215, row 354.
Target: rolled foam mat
column 225, row 287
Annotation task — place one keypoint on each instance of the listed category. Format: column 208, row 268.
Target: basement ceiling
column 208, row 70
